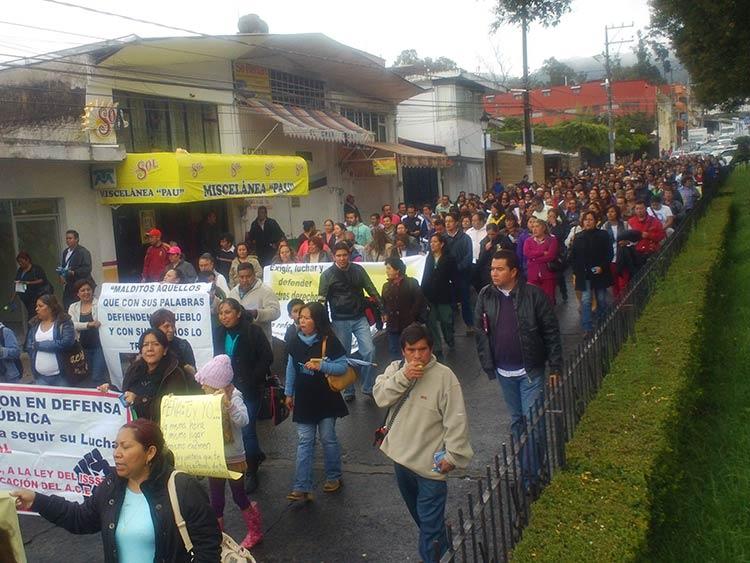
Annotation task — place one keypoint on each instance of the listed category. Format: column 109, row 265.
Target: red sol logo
column 143, row 167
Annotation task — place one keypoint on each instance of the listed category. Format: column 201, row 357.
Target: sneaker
column 299, row 496
column 332, row 486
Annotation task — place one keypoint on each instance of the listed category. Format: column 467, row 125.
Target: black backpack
column 16, row 361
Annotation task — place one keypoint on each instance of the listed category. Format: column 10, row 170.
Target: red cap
column 154, row 233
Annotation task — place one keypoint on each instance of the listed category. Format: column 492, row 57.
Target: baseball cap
column 174, row 250
column 154, row 233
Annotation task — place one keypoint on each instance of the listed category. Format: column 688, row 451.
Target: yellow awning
column 183, row 177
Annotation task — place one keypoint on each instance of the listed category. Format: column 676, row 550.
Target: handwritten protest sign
column 192, row 430
column 301, row 281
column 124, row 311
column 10, row 529
column 57, row 440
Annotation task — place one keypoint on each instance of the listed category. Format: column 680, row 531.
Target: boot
column 251, row 477
column 254, row 523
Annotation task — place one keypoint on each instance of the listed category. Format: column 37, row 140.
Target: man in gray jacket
column 257, row 298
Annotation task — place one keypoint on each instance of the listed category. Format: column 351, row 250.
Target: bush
column 599, row 507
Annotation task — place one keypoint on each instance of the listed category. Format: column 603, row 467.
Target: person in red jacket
column 156, row 259
column 651, row 229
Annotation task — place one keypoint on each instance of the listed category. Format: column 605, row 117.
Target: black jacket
column 437, row 281
column 537, row 324
column 150, row 388
column 404, row 304
column 80, row 264
column 100, row 513
column 589, row 249
column 264, row 239
column 342, row 290
column 252, row 356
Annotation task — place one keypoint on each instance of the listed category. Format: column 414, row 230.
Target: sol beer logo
column 143, row 167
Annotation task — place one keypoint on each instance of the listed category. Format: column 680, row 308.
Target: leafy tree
column 644, row 68
column 427, row 65
column 556, row 73
column 518, row 12
column 743, row 150
column 711, row 38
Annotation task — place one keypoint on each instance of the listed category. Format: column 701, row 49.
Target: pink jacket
column 537, row 256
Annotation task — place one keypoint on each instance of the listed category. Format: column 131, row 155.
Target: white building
column 263, row 94
column 447, row 114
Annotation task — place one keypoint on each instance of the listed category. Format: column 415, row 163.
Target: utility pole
column 526, row 104
column 608, row 85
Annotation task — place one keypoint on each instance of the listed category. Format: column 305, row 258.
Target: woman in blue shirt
column 131, row 507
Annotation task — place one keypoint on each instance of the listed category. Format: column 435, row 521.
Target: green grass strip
column 599, row 507
column 701, row 507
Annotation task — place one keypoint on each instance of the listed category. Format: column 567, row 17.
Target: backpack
column 16, row 361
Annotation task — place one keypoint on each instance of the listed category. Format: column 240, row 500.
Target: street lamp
column 484, row 121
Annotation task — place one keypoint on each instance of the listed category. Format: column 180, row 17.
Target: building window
column 372, row 122
column 469, row 104
column 546, row 93
column 160, row 124
column 291, row 90
column 575, row 89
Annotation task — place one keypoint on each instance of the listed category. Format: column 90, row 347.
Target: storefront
column 176, row 192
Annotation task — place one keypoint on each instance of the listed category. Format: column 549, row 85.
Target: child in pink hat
column 216, row 378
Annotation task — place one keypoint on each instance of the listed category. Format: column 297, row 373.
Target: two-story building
column 447, row 115
column 83, row 125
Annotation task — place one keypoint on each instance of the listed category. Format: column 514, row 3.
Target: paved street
column 367, row 520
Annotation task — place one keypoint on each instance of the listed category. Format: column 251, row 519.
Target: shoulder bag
column 231, row 551
column 338, row 383
column 381, row 432
column 74, row 365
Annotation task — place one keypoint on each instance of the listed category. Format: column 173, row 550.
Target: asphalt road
column 366, row 520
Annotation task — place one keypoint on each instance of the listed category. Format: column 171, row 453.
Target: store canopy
column 366, row 159
column 311, row 124
column 182, row 177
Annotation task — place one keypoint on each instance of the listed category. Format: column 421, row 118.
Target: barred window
column 372, row 122
column 291, row 90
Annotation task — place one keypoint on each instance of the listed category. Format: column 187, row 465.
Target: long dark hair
column 319, row 316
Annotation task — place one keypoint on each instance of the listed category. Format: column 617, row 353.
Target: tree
column 556, row 73
column 644, row 68
column 518, row 12
column 410, row 58
column 711, row 38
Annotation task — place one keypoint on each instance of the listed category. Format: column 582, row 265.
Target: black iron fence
column 498, row 511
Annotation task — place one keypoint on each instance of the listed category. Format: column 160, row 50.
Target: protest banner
column 192, row 431
column 10, row 530
column 57, row 440
column 301, row 281
column 124, row 310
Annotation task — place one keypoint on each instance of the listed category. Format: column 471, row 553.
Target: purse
column 273, row 406
column 231, row 551
column 338, row 383
column 75, row 367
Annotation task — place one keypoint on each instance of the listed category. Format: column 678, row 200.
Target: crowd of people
column 495, row 260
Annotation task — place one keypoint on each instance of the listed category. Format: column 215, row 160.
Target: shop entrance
column 184, row 224
column 420, row 185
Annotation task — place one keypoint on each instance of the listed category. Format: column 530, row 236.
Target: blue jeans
column 360, row 328
column 463, row 290
column 98, row 373
column 425, row 499
column 586, row 300
column 520, row 394
column 303, row 475
column 394, row 346
column 249, row 432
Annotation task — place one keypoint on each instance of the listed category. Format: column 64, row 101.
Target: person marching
column 216, row 379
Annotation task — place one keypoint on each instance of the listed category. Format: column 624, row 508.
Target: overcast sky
column 457, row 29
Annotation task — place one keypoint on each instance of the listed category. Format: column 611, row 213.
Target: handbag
column 382, row 431
column 273, row 406
column 75, row 367
column 231, row 551
column 338, row 383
